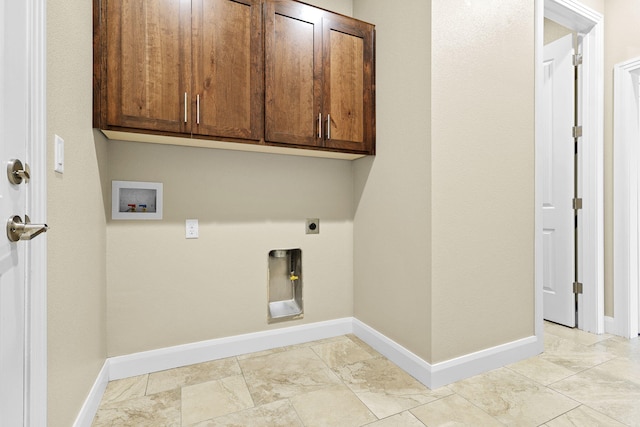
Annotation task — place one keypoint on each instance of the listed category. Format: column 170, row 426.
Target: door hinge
column 576, row 131
column 577, row 59
column 577, row 203
column 577, row 287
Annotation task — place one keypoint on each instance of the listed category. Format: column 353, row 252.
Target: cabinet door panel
column 348, row 76
column 227, row 58
column 148, row 63
column 293, row 78
column 346, row 103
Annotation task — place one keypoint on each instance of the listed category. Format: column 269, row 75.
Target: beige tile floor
column 580, row 380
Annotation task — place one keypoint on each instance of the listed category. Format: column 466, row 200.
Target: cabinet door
column 148, row 64
column 349, row 92
column 227, row 65
column 293, row 44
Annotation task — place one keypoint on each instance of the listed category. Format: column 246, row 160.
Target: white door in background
column 14, row 121
column 558, row 183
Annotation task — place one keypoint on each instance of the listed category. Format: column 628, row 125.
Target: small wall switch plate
column 313, row 226
column 191, row 229
column 58, row 150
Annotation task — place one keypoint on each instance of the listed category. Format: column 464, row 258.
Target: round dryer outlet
column 313, row 226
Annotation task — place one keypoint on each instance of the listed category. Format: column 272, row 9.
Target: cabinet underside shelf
column 205, row 143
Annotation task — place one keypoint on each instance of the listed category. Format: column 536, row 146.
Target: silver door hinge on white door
column 577, row 287
column 577, row 59
column 577, row 203
column 576, row 131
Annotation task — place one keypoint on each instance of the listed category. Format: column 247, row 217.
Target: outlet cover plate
column 191, row 226
column 58, row 154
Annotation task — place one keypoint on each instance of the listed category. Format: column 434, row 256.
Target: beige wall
column 554, row 31
column 443, row 229
column 344, row 7
column 597, row 5
column 621, row 43
column 392, row 222
column 76, row 240
column 165, row 290
column 482, row 152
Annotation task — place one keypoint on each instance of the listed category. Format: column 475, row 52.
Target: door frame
column 626, row 214
column 35, row 397
column 589, row 24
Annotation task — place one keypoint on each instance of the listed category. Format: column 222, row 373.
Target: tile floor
column 580, row 379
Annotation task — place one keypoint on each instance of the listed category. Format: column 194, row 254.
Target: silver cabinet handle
column 17, row 173
column 18, row 230
column 319, row 125
column 185, row 107
column 328, row 126
column 198, row 109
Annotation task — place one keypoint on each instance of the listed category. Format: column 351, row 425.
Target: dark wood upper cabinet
column 227, row 62
column 184, row 67
column 293, row 73
column 147, row 65
column 349, row 93
column 319, row 76
column 262, row 72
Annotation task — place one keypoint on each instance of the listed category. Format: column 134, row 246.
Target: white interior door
column 558, row 182
column 13, row 137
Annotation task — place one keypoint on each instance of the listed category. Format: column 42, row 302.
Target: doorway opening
column 559, row 181
column 590, row 251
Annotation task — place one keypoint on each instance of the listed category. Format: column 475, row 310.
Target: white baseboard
column 610, row 326
column 92, row 402
column 450, row 371
column 433, row 376
column 471, row 364
column 405, row 359
column 204, row 351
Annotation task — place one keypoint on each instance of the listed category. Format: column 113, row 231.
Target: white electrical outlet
column 191, row 226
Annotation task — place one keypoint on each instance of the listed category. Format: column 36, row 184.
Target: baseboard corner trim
column 405, row 359
column 92, row 402
column 447, row 372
